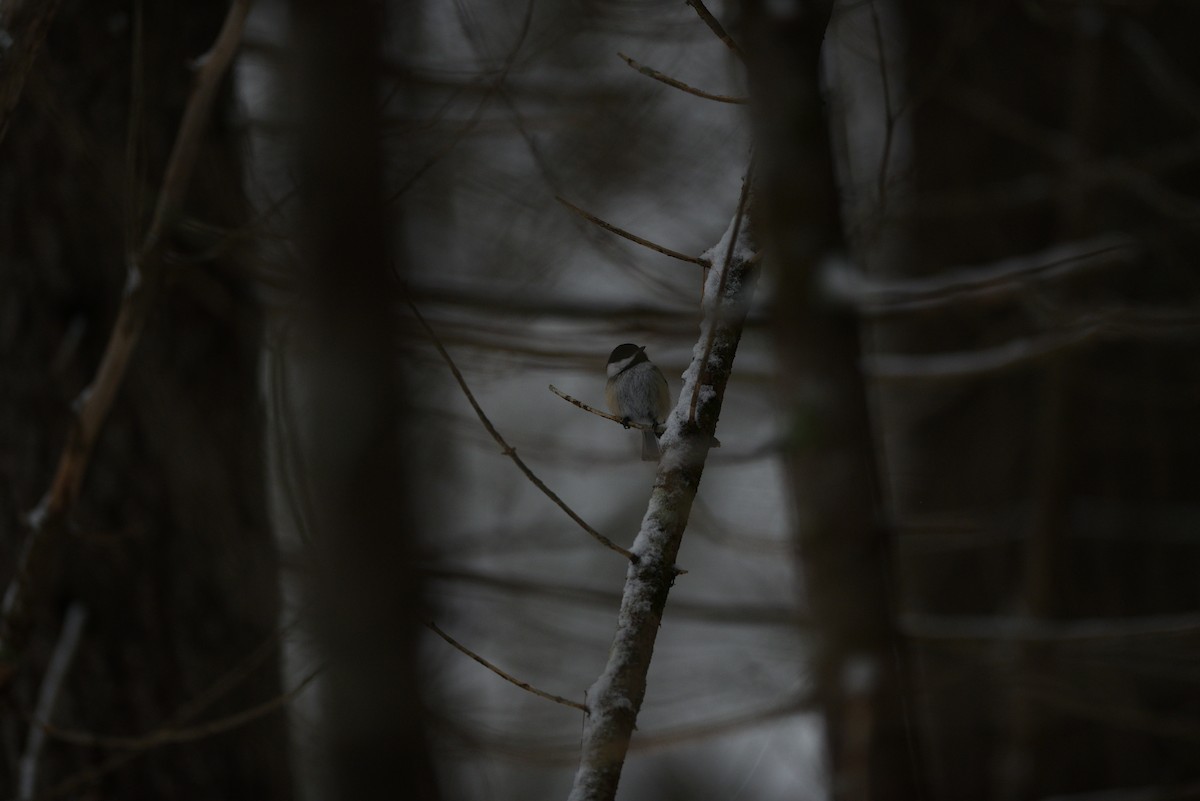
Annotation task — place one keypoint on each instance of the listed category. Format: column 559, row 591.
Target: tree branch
column 169, row 735
column 616, row 697
column 56, row 671
column 508, row 450
column 650, row 72
column 25, row 23
column 675, row 254
column 715, row 26
column 526, row 686
column 598, row 413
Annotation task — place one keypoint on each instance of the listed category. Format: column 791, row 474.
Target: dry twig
column 25, row 23
column 650, row 72
column 508, row 450
column 56, row 671
column 169, row 735
column 598, row 413
column 526, row 686
column 716, row 27
column 675, row 254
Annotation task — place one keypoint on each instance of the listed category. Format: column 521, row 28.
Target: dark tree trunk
column 842, row 537
column 366, row 592
column 168, row 550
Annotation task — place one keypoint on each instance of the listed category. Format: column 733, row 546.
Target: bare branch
column 723, row 613
column 715, row 26
column 889, row 118
column 25, row 23
column 1030, row 629
column 508, row 450
column 994, row 281
column 650, row 72
column 526, row 686
column 615, row 699
column 56, row 671
column 213, row 693
column 169, row 735
column 675, row 254
column 142, row 288
column 1098, row 326
column 598, row 413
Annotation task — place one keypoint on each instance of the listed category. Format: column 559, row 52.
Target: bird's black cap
column 622, row 352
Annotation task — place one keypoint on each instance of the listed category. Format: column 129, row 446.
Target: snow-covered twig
column 616, row 697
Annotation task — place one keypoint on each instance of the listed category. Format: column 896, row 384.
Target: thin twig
column 56, row 671
column 141, row 291
column 650, row 72
column 496, row 85
column 526, row 686
column 889, row 127
column 675, row 254
column 715, row 26
column 169, row 735
column 25, row 23
column 508, row 450
column 213, row 693
column 597, row 412
column 714, row 442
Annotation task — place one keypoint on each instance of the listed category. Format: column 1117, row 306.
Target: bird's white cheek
column 616, row 367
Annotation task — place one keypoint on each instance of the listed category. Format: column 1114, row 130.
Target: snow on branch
column 616, row 697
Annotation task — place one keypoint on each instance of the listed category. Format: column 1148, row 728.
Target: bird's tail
column 649, row 447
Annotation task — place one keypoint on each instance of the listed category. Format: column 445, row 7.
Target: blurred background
column 948, row 548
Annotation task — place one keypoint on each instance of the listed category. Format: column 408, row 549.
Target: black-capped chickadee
column 637, row 392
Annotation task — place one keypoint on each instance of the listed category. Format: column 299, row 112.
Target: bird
column 637, row 392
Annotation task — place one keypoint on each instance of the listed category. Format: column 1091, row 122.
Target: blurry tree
column 1024, row 207
column 988, row 422
column 1046, row 446
column 166, row 558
